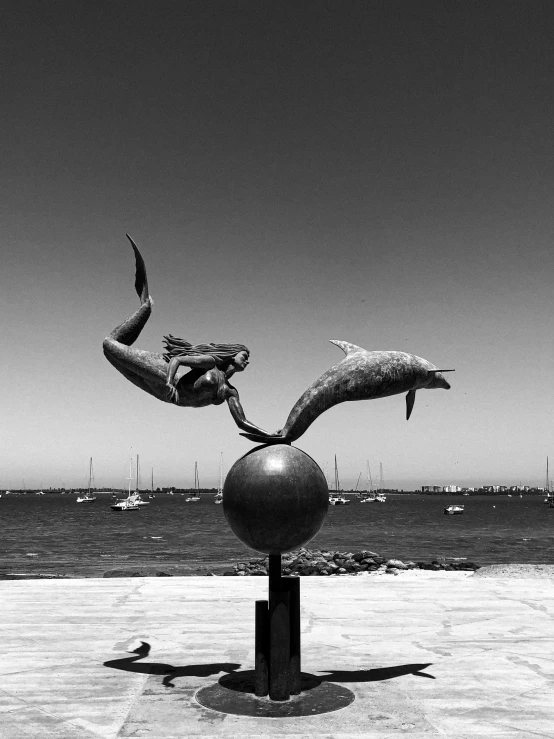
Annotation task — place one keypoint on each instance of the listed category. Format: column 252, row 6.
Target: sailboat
column 334, row 497
column 196, row 495
column 136, row 497
column 218, row 497
column 381, row 497
column 126, row 504
column 88, row 497
column 548, row 487
column 368, row 497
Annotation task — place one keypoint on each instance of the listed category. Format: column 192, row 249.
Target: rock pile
column 304, row 562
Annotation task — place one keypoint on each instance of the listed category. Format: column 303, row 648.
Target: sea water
column 53, row 534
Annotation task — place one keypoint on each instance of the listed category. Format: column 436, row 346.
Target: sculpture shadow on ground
column 376, row 674
column 171, row 672
column 244, row 681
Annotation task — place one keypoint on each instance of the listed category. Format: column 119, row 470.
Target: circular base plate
column 234, row 694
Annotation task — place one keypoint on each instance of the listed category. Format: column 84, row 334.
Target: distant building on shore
column 483, row 490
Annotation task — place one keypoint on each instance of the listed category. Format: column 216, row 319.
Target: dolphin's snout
column 438, row 381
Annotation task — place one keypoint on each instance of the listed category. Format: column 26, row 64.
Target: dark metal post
column 292, row 585
column 279, row 633
column 274, row 571
column 261, row 648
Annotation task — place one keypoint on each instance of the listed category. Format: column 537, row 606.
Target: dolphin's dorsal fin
column 347, row 347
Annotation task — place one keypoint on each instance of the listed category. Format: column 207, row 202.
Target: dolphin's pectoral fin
column 410, row 400
column 347, row 347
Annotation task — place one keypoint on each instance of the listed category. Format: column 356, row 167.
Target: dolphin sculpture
column 360, row 375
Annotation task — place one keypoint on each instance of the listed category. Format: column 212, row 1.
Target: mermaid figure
column 210, row 365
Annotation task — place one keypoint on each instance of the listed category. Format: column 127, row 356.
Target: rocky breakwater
column 305, row 562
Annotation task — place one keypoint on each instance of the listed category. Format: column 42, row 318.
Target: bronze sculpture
column 210, row 365
column 275, row 497
column 360, row 375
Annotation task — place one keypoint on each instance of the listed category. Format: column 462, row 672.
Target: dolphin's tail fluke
column 261, row 439
column 141, row 281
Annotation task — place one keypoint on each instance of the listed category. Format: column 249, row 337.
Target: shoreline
column 506, row 571
column 306, row 562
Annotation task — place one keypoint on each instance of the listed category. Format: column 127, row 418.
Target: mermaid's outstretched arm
column 146, row 370
column 240, row 419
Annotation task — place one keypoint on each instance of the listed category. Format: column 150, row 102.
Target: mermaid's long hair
column 222, row 353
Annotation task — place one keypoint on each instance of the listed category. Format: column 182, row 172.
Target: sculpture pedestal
column 275, row 499
column 276, row 687
column 277, row 642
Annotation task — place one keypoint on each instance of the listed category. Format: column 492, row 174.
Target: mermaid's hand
column 172, row 393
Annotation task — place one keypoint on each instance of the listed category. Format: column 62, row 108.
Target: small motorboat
column 86, row 498
column 452, row 510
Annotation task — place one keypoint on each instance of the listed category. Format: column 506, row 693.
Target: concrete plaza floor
column 446, row 656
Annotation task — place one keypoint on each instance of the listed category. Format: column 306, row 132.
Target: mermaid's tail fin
column 128, row 331
column 141, row 281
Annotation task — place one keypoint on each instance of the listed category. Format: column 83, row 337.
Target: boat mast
column 547, row 478
column 337, row 482
column 381, row 478
column 357, row 482
column 152, row 482
column 369, row 480
column 196, row 478
column 89, row 475
column 137, row 480
column 220, row 488
column 130, row 472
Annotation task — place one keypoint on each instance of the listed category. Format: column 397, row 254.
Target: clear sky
column 376, row 172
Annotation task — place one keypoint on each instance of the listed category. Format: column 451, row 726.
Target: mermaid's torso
column 199, row 388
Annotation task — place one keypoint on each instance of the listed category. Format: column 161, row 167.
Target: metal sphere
column 275, row 498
